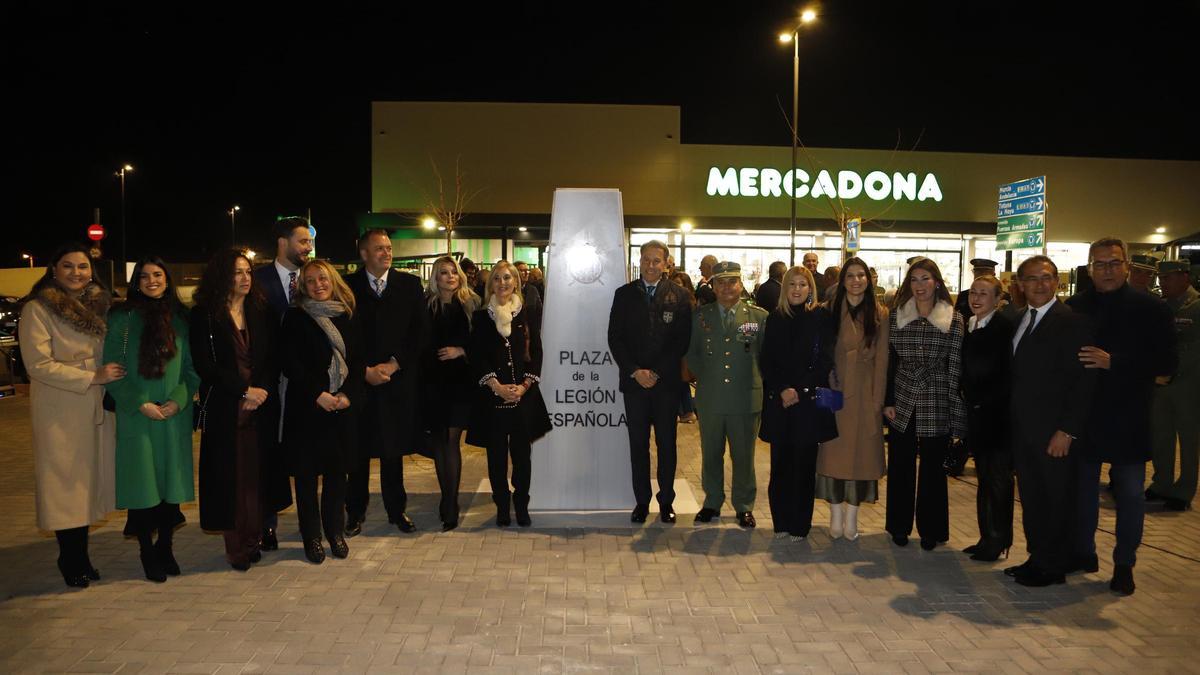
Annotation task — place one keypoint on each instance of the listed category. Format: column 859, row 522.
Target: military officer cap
column 984, row 264
column 1168, row 266
column 1143, row 261
column 727, row 268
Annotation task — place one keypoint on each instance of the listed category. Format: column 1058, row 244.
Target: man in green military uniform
column 723, row 356
column 1142, row 270
column 1177, row 401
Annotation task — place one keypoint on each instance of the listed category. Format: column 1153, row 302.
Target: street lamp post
column 29, row 258
column 808, row 16
column 233, row 224
column 121, row 173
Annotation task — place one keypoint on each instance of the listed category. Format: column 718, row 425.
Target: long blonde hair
column 784, row 306
column 466, row 296
column 340, row 291
column 516, row 280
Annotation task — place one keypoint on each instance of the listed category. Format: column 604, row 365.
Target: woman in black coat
column 505, row 354
column 323, row 362
column 986, row 354
column 233, row 337
column 797, row 355
column 447, row 377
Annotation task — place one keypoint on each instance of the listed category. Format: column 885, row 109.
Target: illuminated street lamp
column 121, row 173
column 28, row 257
column 233, row 224
column 807, row 16
column 429, row 223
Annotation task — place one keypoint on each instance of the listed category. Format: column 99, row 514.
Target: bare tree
column 448, row 210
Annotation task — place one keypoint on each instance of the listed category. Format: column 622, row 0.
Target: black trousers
column 1048, row 487
column 931, row 504
column 391, row 484
column 655, row 407
column 328, row 515
column 498, row 453
column 792, row 487
column 994, row 497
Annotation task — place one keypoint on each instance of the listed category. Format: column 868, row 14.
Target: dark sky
column 271, row 112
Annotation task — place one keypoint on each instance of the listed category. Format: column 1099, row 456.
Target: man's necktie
column 650, row 293
column 1029, row 328
column 727, row 319
column 379, row 287
column 291, row 285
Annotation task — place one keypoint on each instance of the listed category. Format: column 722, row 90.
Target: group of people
column 292, row 373
column 295, row 374
column 1044, row 390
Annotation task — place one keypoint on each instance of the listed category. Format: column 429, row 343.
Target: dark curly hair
column 216, row 285
column 158, row 338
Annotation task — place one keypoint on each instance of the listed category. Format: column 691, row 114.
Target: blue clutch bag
column 828, row 399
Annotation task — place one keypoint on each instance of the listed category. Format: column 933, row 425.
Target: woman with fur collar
column 74, row 444
column 923, row 405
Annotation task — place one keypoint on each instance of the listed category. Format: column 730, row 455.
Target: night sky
column 273, row 112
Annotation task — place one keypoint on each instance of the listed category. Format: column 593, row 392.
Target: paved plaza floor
column 614, row 597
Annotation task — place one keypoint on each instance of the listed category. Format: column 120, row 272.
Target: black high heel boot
column 166, row 554
column 71, row 577
column 72, row 556
column 989, row 553
column 150, row 563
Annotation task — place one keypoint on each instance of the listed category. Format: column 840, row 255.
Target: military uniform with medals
column 723, row 356
column 1176, row 404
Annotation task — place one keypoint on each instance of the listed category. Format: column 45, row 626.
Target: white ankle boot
column 835, row 520
column 850, row 524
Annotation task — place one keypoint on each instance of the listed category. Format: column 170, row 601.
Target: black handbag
column 200, row 412
column 110, row 403
column 956, row 458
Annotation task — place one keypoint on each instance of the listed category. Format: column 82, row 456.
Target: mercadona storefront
column 733, row 201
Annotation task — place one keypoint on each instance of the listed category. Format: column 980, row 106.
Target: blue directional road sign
column 1021, row 214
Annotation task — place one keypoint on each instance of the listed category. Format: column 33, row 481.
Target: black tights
column 447, row 459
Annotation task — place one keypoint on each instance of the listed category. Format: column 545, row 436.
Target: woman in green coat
column 149, row 336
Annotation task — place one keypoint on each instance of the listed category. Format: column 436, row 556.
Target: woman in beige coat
column 74, row 444
column 849, row 467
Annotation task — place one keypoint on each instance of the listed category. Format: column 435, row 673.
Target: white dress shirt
column 1041, row 314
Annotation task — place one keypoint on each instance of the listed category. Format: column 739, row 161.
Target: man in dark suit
column 390, row 312
column 1049, row 404
column 649, row 327
column 704, row 288
column 1134, row 343
column 278, row 281
column 767, row 295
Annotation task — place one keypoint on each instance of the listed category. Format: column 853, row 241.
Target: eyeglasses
column 1101, row 265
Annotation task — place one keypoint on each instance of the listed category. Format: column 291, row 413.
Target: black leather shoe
column 314, row 551
column 449, row 525
column 71, row 578
column 92, row 573
column 152, row 567
column 1084, row 563
column 405, row 523
column 1122, row 580
column 255, row 557
column 240, row 566
column 269, row 542
column 523, row 518
column 746, row 519
column 1016, row 569
column 971, row 549
column 1173, row 504
column 339, row 547
column 928, row 544
column 987, row 553
column 667, row 514
column 706, row 515
column 900, row 539
column 639, row 513
column 1152, row 496
column 503, row 519
column 354, row 525
column 1037, row 578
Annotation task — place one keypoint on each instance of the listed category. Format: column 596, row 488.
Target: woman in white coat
column 74, row 444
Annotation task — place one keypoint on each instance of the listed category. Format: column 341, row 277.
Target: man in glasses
column 1133, row 343
column 1051, row 398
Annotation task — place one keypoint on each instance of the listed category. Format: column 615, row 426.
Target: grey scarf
column 321, row 311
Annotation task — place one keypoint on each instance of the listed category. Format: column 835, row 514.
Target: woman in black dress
column 323, row 362
column 447, row 377
column 505, row 354
column 233, row 348
column 797, row 356
column 986, row 352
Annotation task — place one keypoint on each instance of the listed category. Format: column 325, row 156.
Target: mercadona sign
column 876, row 185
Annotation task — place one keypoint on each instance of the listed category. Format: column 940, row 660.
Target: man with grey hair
column 649, row 327
column 704, row 288
column 1133, row 343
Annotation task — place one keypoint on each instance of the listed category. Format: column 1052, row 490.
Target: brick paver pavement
column 647, row 599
